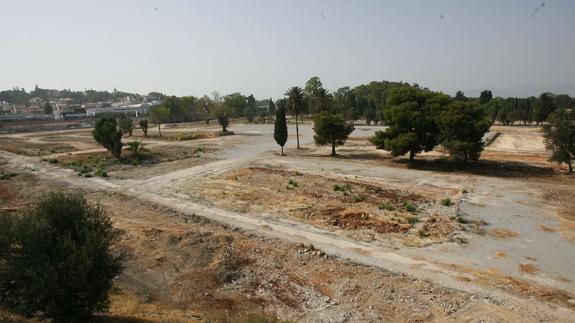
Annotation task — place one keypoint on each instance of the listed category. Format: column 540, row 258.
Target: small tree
column 137, row 150
column 280, row 128
column 144, row 126
column 560, row 137
column 106, row 134
column 159, row 115
column 331, row 129
column 56, row 259
column 462, row 126
column 125, row 124
column 221, row 114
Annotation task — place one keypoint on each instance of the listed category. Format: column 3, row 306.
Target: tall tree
column 485, row 97
column 280, row 128
column 460, row 96
column 331, row 129
column 295, row 99
column 462, row 126
column 311, row 90
column 543, row 108
column 251, row 107
column 271, row 107
column 559, row 135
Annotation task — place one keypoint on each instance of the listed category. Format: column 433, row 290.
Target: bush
column 341, row 188
column 386, row 206
column 293, row 184
column 446, row 202
column 412, row 220
column 410, row 207
column 56, row 259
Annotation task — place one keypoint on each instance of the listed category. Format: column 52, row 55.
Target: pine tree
column 280, row 128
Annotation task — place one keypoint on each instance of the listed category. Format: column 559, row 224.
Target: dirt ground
column 183, row 268
column 224, row 229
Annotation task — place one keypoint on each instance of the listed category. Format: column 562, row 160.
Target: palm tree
column 323, row 98
column 295, row 101
column 137, row 149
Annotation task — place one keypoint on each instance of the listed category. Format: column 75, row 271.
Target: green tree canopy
column 221, row 113
column 560, row 137
column 107, row 134
column 331, row 129
column 462, row 126
column 56, row 259
column 410, row 116
column 485, row 97
column 158, row 116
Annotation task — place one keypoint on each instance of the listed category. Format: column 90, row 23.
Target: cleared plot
column 361, row 210
column 156, row 160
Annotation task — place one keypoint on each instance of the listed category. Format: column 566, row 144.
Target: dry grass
column 503, row 234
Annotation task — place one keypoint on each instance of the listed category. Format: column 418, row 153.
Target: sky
column 513, row 47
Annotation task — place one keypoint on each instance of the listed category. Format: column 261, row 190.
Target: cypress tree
column 280, row 128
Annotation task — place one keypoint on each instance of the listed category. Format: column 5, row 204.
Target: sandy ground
column 513, row 247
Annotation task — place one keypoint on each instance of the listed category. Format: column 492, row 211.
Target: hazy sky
column 516, row 47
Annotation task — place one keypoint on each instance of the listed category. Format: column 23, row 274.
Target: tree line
column 20, row 96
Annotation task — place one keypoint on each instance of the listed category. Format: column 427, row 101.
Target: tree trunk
column 333, row 147
column 160, row 131
column 570, row 163
column 296, row 130
column 282, row 150
column 411, row 155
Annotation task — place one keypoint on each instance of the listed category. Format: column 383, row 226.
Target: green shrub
column 56, row 259
column 358, row 198
column 293, row 183
column 342, row 188
column 412, row 220
column 386, row 206
column 461, row 219
column 409, row 207
column 446, row 202
column 52, row 161
column 7, row 176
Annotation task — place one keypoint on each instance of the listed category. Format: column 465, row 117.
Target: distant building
column 67, row 107
column 136, row 110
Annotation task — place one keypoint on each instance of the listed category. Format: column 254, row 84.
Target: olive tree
column 56, row 259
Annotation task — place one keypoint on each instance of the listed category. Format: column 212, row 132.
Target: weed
column 52, row 161
column 446, row 202
column 357, row 198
